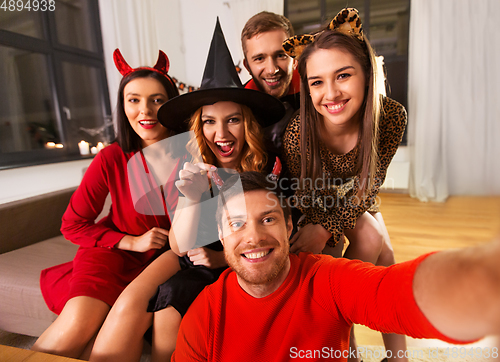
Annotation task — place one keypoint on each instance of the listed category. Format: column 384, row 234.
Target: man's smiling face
column 268, row 64
column 255, row 237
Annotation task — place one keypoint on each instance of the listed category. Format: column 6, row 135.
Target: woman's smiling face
column 224, row 131
column 142, row 99
column 337, row 86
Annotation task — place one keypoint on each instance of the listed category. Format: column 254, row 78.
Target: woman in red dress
column 114, row 250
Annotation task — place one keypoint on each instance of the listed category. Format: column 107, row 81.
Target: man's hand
column 156, row 238
column 210, row 258
column 458, row 291
column 312, row 237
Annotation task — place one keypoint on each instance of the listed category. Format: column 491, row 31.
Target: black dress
column 183, row 288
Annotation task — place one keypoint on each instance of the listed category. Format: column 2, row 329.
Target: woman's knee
column 371, row 244
column 129, row 302
column 83, row 316
column 386, row 257
column 365, row 240
column 369, row 232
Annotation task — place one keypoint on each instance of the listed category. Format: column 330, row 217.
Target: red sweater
column 313, row 310
column 99, row 270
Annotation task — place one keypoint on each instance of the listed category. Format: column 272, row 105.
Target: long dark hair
column 366, row 164
column 126, row 137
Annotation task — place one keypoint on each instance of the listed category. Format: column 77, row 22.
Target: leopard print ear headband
column 347, row 21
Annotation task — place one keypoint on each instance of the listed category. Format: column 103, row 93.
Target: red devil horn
column 120, row 63
column 162, row 64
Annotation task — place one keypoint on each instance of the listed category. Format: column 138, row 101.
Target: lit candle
column 100, row 146
column 94, row 150
column 84, row 147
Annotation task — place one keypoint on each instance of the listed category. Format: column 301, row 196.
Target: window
column 53, row 91
column 385, row 22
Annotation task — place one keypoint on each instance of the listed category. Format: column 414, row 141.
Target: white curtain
column 454, row 98
column 139, row 28
column 198, row 17
column 181, row 28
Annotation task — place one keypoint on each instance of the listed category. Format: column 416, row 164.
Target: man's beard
column 279, row 92
column 264, row 276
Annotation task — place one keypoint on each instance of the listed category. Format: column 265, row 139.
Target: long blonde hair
column 253, row 156
column 366, row 164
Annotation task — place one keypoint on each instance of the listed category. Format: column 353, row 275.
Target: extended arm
column 459, row 291
column 184, row 226
column 192, row 183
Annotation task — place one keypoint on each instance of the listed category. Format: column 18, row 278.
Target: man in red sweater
column 275, row 306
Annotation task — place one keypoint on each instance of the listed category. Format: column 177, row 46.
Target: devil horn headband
column 347, row 21
column 162, row 64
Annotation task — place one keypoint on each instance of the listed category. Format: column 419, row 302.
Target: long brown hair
column 366, row 164
column 253, row 157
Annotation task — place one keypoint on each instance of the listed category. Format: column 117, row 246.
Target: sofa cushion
column 25, row 222
column 23, row 309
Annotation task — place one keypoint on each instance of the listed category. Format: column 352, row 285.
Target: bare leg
column 353, row 347
column 365, row 243
column 121, row 336
column 86, row 352
column 365, row 240
column 165, row 328
column 335, row 251
column 77, row 324
column 386, row 257
column 396, row 343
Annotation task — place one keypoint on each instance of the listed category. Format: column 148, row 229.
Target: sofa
column 30, row 241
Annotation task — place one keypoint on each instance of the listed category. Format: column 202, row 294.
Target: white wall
column 139, row 28
column 198, row 23
column 398, row 172
column 181, row 28
column 23, row 182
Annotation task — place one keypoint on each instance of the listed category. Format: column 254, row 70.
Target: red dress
column 99, row 270
column 311, row 313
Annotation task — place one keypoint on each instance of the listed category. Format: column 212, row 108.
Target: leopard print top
column 330, row 202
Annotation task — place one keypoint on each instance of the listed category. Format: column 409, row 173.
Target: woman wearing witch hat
column 226, row 120
column 114, row 250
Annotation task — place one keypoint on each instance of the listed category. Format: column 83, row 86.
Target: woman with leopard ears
column 345, row 135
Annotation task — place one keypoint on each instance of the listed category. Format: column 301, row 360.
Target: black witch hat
column 220, row 83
